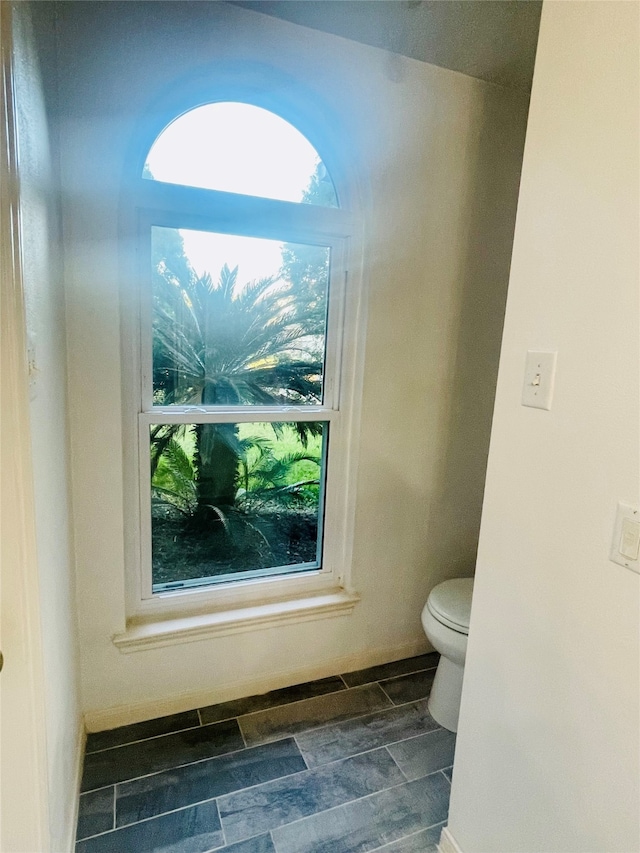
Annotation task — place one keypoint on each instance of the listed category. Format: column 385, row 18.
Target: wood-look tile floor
column 347, row 764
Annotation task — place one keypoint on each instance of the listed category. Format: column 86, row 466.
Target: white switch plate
column 539, row 374
column 626, row 537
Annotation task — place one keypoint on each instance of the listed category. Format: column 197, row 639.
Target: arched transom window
column 240, row 148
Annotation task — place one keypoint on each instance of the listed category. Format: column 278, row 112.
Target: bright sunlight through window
column 240, row 148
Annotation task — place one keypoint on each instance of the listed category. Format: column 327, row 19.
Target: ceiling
column 494, row 40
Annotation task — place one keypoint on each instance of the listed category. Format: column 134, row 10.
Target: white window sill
column 149, row 634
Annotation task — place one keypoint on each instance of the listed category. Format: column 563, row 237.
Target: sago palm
column 224, row 345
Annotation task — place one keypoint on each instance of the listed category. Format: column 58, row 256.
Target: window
column 240, row 148
column 241, row 414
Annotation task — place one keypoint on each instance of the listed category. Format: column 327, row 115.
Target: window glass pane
column 240, row 148
column 234, row 501
column 237, row 320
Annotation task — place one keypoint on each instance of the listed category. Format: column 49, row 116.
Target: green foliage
column 306, row 267
column 320, row 190
column 173, row 481
column 223, row 343
column 227, row 345
column 287, row 479
column 269, row 472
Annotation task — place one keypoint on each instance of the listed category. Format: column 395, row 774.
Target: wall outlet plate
column 625, row 545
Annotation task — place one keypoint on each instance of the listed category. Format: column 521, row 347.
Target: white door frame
column 24, row 819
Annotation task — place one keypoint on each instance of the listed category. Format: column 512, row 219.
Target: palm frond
column 174, row 476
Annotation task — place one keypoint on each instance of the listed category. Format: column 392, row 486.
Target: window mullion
column 199, row 415
column 188, row 207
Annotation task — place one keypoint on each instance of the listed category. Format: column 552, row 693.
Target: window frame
column 147, row 203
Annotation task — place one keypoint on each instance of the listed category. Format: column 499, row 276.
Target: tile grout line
column 413, row 737
column 350, row 802
column 411, row 701
column 405, row 781
column 259, row 784
column 295, row 740
column 348, row 719
column 211, row 758
column 266, row 743
column 308, row 770
column 281, row 704
column 277, row 779
column 259, row 710
column 389, row 677
column 385, row 747
column 404, row 837
column 334, row 722
column 224, row 834
column 399, row 704
column 330, row 693
column 242, row 734
column 276, row 707
column 217, row 797
column 308, row 699
column 286, row 735
column 201, row 723
column 333, row 693
column 154, row 737
column 386, row 694
column 153, row 817
column 179, row 766
column 210, row 800
column 371, row 713
column 405, row 674
column 381, row 746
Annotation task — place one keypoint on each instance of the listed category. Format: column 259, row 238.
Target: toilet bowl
column 445, row 619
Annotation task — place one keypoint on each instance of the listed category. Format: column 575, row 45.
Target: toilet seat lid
column 450, row 603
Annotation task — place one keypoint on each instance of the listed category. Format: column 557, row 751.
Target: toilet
column 445, row 619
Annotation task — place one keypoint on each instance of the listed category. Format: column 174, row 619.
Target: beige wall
column 548, row 748
column 44, row 298
column 437, row 156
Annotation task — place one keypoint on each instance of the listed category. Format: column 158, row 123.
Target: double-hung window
column 243, row 369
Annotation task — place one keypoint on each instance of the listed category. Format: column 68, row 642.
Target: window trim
column 147, row 202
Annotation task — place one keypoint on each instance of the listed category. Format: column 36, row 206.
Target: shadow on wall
column 483, row 280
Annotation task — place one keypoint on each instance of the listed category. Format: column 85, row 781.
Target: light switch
column 539, row 375
column 625, row 547
column 630, row 539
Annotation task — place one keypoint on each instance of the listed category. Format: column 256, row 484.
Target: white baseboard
column 447, row 843
column 81, row 740
column 109, row 718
